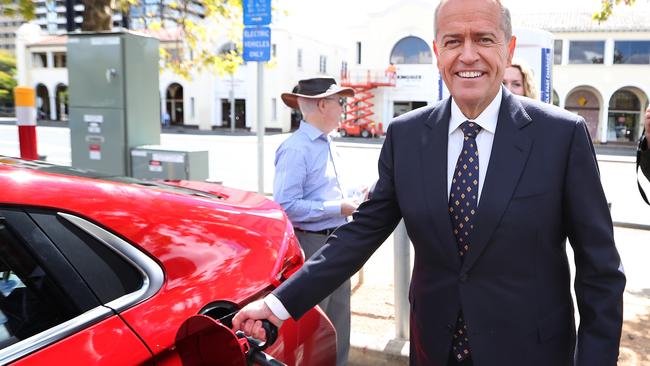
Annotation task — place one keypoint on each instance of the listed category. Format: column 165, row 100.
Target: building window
column 274, row 50
column 632, row 52
column 59, row 59
column 228, row 48
column 358, row 53
column 274, row 109
column 300, row 58
column 586, row 52
column 174, row 55
column 192, row 107
column 557, row 52
column 344, row 68
column 411, row 50
column 323, row 64
column 624, row 117
column 40, row 59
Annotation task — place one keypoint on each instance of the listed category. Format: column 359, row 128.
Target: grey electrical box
column 114, row 101
column 157, row 162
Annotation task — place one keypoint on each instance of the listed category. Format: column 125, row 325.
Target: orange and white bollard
column 25, row 98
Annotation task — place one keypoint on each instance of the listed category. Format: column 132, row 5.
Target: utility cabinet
column 113, row 101
column 159, row 163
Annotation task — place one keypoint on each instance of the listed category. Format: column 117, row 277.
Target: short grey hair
column 506, row 21
column 307, row 105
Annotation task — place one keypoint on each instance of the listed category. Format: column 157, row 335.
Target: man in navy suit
column 643, row 155
column 490, row 187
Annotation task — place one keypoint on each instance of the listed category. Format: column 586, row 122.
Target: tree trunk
column 98, row 15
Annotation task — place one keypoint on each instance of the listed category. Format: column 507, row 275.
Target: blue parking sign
column 257, row 43
column 257, row 12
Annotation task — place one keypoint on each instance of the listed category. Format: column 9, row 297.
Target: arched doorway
column 42, row 102
column 61, row 96
column 624, row 116
column 174, row 101
column 586, row 102
column 411, row 50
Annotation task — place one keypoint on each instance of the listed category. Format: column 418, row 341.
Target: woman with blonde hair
column 518, row 78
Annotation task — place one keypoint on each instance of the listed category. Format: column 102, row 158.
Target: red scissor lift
column 358, row 111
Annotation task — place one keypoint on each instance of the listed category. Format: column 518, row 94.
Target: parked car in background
column 98, row 270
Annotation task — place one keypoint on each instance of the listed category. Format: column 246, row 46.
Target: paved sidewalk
column 373, row 326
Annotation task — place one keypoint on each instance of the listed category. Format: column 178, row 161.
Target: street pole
column 402, row 260
column 260, row 127
column 232, row 103
column 69, row 16
column 232, row 94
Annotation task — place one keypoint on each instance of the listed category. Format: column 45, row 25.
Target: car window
column 107, row 273
column 30, row 299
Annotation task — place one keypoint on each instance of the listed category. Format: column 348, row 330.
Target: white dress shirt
column 488, row 122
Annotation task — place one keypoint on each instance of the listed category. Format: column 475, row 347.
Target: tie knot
column 470, row 129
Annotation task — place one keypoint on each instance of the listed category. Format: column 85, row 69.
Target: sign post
column 257, row 48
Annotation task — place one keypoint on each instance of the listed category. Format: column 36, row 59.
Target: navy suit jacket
column 542, row 187
column 643, row 157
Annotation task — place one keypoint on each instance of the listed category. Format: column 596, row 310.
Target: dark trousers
column 337, row 305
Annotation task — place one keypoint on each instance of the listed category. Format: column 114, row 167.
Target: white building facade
column 204, row 100
column 600, row 71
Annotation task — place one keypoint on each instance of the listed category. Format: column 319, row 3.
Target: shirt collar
column 487, row 119
column 312, row 132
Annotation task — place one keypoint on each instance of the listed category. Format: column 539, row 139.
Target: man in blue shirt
column 308, row 186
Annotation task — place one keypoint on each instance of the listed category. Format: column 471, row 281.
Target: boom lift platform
column 358, row 111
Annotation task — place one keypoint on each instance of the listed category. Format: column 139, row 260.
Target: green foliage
column 198, row 31
column 199, row 35
column 607, row 6
column 16, row 8
column 7, row 78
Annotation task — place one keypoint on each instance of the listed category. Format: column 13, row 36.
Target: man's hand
column 249, row 319
column 646, row 124
column 348, row 207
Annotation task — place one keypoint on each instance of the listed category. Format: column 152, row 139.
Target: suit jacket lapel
column 510, row 151
column 434, row 171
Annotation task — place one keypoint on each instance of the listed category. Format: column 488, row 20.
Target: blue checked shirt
column 306, row 182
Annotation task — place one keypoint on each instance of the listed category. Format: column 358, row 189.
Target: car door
column 50, row 313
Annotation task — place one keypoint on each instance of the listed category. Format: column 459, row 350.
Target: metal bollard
column 25, row 99
column 402, row 259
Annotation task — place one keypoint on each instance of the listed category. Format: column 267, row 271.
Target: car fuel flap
column 204, row 341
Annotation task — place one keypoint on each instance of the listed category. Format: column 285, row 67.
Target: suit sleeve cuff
column 276, row 307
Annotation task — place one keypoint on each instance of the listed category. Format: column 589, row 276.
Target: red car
column 107, row 270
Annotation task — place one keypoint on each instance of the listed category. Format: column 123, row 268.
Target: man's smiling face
column 472, row 52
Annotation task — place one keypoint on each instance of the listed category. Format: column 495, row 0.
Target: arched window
column 623, row 120
column 42, row 102
column 411, row 50
column 174, row 98
column 61, row 97
column 584, row 101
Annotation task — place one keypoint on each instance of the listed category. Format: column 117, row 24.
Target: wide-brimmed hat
column 315, row 88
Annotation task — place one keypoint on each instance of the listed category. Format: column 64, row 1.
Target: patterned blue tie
column 463, row 202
